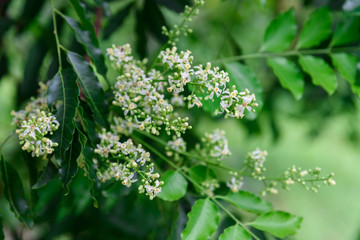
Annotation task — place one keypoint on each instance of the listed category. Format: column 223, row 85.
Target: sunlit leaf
column 278, row 223
column 347, row 31
column 289, row 75
column 316, row 29
column 346, row 64
column 175, row 186
column 14, row 192
column 280, row 33
column 248, row 202
column 63, row 89
column 321, row 73
column 83, row 37
column 235, row 232
column 91, row 87
column 203, row 220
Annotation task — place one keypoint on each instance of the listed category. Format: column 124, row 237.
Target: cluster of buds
column 214, row 145
column 125, row 162
column 309, row 178
column 189, row 13
column 209, row 81
column 32, row 133
column 32, row 107
column 210, row 185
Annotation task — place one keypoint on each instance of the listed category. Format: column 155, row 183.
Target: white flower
column 234, row 184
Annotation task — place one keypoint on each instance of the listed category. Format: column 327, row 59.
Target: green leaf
column 316, row 29
column 280, row 33
column 203, row 220
column 289, row 75
column 248, row 202
column 14, row 193
column 175, row 186
column 242, row 77
column 1, row 229
column 64, row 89
column 278, row 223
column 201, row 173
column 235, row 232
column 347, row 31
column 47, row 175
column 321, row 73
column 69, row 168
column 115, row 21
column 83, row 37
column 91, row 168
column 85, row 22
column 88, row 124
column 346, row 64
column 91, row 87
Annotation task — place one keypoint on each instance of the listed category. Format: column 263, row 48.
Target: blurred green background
column 316, row 131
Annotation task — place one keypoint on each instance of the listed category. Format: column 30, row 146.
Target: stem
column 209, row 194
column 289, row 53
column 56, row 35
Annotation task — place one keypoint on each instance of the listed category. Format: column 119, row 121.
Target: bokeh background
column 315, row 131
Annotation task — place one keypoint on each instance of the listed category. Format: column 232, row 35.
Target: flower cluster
column 208, row 81
column 214, row 145
column 147, row 97
column 141, row 97
column 124, row 161
column 175, row 148
column 34, row 123
column 32, row 133
column 309, row 179
column 255, row 162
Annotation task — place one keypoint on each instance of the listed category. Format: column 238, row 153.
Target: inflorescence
column 126, row 162
column 143, row 95
column 34, row 124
